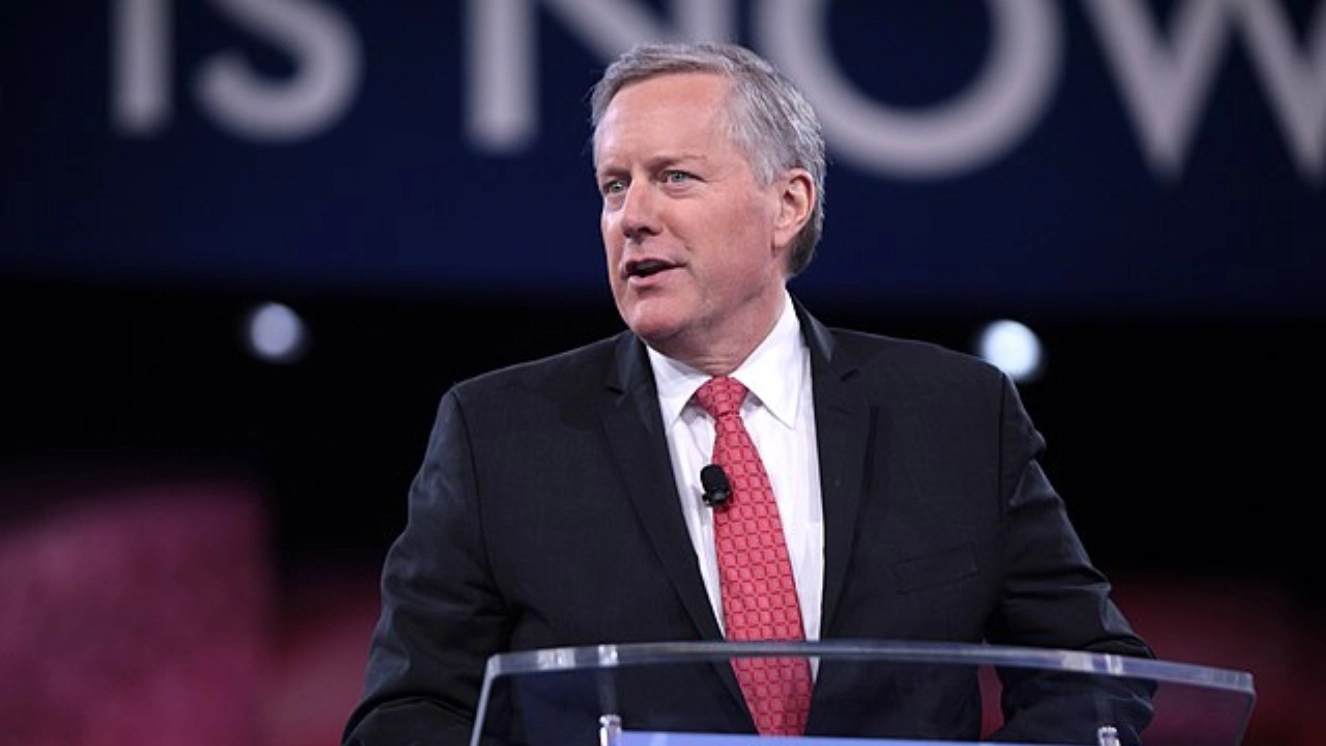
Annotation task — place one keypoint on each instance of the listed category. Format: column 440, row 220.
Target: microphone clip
column 717, row 488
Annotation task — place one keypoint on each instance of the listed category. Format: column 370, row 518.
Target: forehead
column 666, row 111
column 696, row 88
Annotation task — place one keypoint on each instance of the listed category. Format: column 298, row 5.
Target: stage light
column 275, row 333
column 1012, row 347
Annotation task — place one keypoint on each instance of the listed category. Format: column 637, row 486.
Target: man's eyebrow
column 654, row 163
column 674, row 159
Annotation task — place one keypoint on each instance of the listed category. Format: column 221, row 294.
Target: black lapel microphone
column 717, row 490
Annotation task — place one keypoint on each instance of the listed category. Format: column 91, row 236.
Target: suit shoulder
column 915, row 373
column 870, row 349
column 579, row 366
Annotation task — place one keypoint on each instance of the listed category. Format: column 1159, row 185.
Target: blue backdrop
column 1139, row 180
column 1104, row 155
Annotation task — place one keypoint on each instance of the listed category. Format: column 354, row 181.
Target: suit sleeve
column 441, row 616
column 1054, row 597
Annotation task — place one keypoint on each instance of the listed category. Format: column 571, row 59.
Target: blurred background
column 246, row 245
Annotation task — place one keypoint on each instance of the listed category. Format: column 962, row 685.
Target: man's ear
column 796, row 201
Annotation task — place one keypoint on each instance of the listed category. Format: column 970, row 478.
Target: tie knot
column 721, row 396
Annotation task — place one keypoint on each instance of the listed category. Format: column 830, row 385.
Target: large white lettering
column 501, row 112
column 1162, row 87
column 140, row 66
column 321, row 43
column 328, row 63
column 1297, row 87
column 976, row 127
column 1165, row 78
column 1165, row 87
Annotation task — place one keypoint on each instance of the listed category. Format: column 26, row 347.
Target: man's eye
column 677, row 177
column 615, row 186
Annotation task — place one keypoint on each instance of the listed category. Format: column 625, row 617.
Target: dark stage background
column 189, row 534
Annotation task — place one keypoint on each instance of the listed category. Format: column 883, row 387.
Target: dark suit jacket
column 545, row 514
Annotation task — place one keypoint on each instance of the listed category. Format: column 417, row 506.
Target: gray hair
column 770, row 120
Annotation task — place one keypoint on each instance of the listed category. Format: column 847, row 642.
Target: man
column 560, row 501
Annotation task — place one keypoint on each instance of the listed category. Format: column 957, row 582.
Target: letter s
column 327, row 59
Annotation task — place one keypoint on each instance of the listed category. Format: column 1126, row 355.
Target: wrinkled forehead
column 673, row 107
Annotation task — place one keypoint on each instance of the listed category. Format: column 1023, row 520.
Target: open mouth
column 646, row 268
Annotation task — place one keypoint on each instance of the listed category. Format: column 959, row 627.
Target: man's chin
column 654, row 325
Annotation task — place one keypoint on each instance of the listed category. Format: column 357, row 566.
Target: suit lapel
column 633, row 425
column 844, row 421
column 844, row 424
column 634, row 429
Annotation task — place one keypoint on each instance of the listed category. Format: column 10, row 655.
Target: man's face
column 696, row 248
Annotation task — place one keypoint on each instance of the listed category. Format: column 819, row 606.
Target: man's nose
column 639, row 211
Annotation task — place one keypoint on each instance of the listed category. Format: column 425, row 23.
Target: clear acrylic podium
column 868, row 693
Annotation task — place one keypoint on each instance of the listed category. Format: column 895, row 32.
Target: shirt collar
column 772, row 372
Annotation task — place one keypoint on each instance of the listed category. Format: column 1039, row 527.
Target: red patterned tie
column 759, row 592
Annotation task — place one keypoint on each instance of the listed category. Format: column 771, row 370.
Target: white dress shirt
column 779, row 414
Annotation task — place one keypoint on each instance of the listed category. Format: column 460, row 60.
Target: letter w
column 1163, row 88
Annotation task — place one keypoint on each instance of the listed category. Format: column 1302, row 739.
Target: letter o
column 980, row 124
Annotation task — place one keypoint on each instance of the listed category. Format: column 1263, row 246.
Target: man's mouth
column 646, row 267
